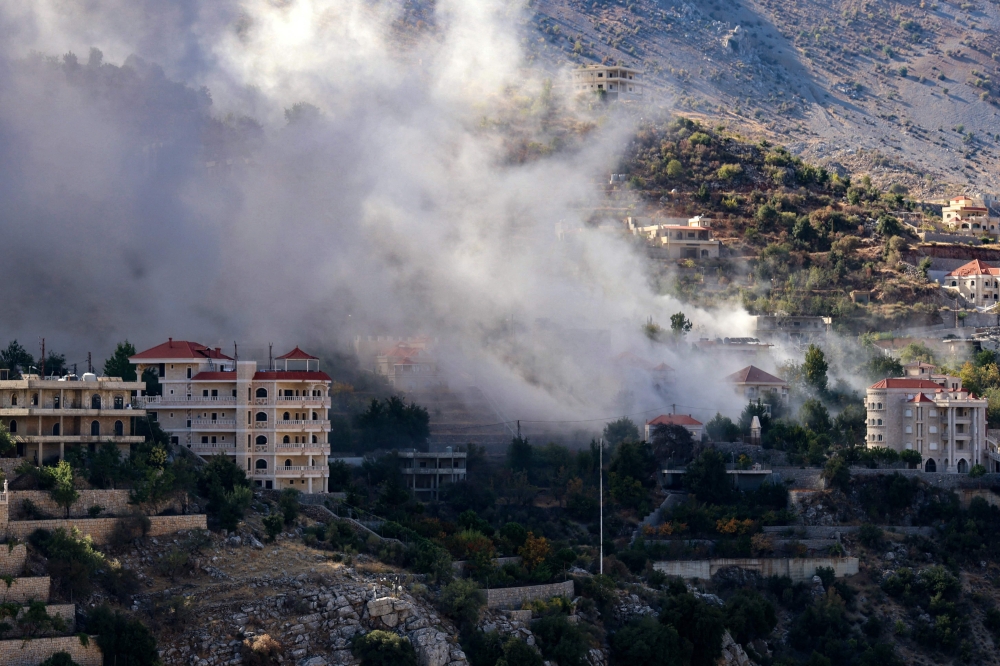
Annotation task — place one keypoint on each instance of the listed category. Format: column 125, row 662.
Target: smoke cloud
column 157, row 188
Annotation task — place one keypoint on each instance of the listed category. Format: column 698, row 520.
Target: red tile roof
column 297, row 355
column 179, row 349
column 282, row 375
column 754, row 375
column 674, row 419
column 663, row 367
column 904, row 383
column 920, row 397
column 974, row 267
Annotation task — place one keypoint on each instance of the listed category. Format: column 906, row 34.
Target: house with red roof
column 967, row 216
column 408, row 367
column 695, row 427
column 754, row 384
column 272, row 420
column 944, row 423
column 976, row 281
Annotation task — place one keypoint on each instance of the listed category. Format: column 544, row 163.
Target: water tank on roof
column 89, row 377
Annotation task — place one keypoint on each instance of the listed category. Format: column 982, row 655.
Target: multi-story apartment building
column 272, row 421
column 426, row 473
column 947, row 426
column 977, row 282
column 616, row 82
column 46, row 414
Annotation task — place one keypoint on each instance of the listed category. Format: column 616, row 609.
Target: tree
column 650, row 643
column 912, row 459
column 55, row 365
column 518, row 653
column 881, row 366
column 707, row 480
column 698, row 624
column 722, row 429
column 534, row 551
column 59, row 659
column 7, row 445
column 288, row 503
column 16, row 358
column 674, row 169
column 62, row 492
column 673, row 442
column 916, row 351
column 815, row 416
column 519, row 454
column 888, row 226
column 680, row 324
column 814, row 368
column 118, row 364
column 273, row 524
column 837, row 473
column 749, row 616
column 753, row 409
column 383, row 648
column 302, row 113
column 392, row 423
column 621, row 430
column 635, row 460
column 462, row 600
column 225, row 485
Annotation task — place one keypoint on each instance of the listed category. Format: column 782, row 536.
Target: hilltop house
column 947, row 426
column 754, row 384
column 274, row 420
column 695, row 427
column 977, row 282
column 615, row 82
column 968, row 217
column 678, row 238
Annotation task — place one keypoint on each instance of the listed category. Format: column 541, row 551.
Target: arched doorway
column 288, row 462
column 260, row 464
column 286, row 440
column 963, row 467
column 930, row 465
column 286, row 417
column 55, row 429
column 95, row 401
column 13, row 427
column 119, row 429
column 95, row 428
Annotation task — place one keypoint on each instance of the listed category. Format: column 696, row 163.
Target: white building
column 680, row 239
column 947, row 426
column 695, row 427
column 615, row 82
column 272, row 421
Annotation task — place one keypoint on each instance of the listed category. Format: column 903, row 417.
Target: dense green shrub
column 72, row 560
column 383, row 648
column 122, row 640
column 749, row 616
column 560, row 641
column 649, row 642
column 462, row 600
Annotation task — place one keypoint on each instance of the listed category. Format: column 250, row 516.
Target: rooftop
column 180, row 349
column 974, row 267
column 754, row 375
column 904, row 383
column 675, row 419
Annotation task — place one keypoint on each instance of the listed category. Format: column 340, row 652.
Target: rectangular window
column 214, row 441
column 909, row 429
column 215, row 393
column 909, row 412
column 932, row 430
column 204, row 393
column 933, row 414
column 204, row 440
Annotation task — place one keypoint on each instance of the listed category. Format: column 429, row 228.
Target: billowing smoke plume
column 386, row 200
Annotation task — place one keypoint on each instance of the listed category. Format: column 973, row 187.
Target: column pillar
column 41, row 454
column 310, row 485
column 951, row 438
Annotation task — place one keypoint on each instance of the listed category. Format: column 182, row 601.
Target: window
column 152, row 415
column 204, row 439
column 119, row 402
column 204, row 393
column 880, row 438
column 286, row 440
column 95, row 401
column 215, row 416
column 314, row 440
column 909, row 429
column 119, row 429
column 95, row 429
column 879, row 406
column 288, row 462
column 932, row 430
column 34, row 399
column 260, row 417
column 55, row 429
column 214, row 440
column 286, row 417
column 13, row 400
column 260, row 464
column 189, row 373
column 909, row 412
column 215, row 393
column 261, row 393
column 261, row 440
column 878, row 422
column 934, row 446
column 933, row 413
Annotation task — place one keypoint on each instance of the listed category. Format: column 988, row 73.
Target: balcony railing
column 294, row 469
column 301, row 398
column 183, row 399
column 229, row 424
column 224, row 446
column 299, row 422
column 305, row 445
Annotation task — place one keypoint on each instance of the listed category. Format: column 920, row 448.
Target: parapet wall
column 114, row 502
column 798, row 569
column 37, row 650
column 100, row 529
column 512, row 598
column 12, row 559
column 23, row 590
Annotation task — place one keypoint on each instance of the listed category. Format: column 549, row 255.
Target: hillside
column 904, row 91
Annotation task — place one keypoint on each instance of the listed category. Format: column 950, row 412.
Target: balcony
column 148, row 400
column 294, row 470
column 311, row 424
column 202, row 424
column 318, row 446
column 312, row 399
column 224, row 447
column 79, row 439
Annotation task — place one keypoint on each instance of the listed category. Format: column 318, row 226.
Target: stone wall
column 515, row 597
column 23, row 590
column 798, row 569
column 806, row 479
column 114, row 503
column 12, row 559
column 459, row 566
column 937, row 479
column 37, row 650
column 836, row 531
column 100, row 529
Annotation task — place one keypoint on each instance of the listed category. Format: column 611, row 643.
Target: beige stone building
column 946, row 426
column 47, row 415
column 977, row 282
column 274, row 421
column 616, row 82
column 680, row 239
column 966, row 216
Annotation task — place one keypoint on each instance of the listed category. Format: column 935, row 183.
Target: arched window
column 13, row 427
column 119, row 429
column 260, row 464
column 963, row 466
column 13, row 400
column 260, row 416
column 95, row 428
column 55, row 429
column 314, row 439
column 261, row 440
column 288, row 463
column 34, row 399
column 95, row 401
column 119, row 402
column 930, row 466
column 286, row 440
column 286, row 416
column 261, row 393
column 315, row 416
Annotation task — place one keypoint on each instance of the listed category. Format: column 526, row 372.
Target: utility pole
column 600, row 470
column 42, row 364
column 90, row 365
column 236, row 352
column 519, row 428
column 673, row 408
column 270, row 363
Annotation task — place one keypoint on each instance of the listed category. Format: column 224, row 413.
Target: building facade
column 977, row 282
column 679, row 239
column 803, row 328
column 754, row 384
column 946, row 426
column 408, row 367
column 694, row 426
column 425, row 473
column 45, row 415
column 967, row 216
column 274, row 422
column 615, row 82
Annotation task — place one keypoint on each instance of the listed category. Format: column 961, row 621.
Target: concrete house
column 966, row 216
column 272, row 421
column 616, row 82
column 977, row 282
column 695, row 427
column 678, row 239
column 754, row 384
